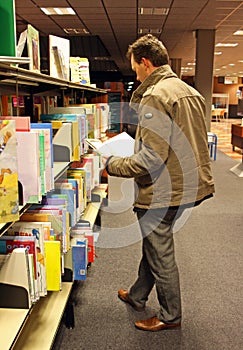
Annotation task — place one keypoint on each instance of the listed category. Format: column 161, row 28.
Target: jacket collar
column 162, row 72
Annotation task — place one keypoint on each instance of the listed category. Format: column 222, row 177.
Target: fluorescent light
column 75, row 31
column 154, row 11
column 46, row 11
column 217, row 53
column 238, row 32
column 57, row 10
column 149, row 30
column 226, row 45
column 50, row 11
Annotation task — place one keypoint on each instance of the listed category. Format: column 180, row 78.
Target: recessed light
column 75, row 31
column 154, row 11
column 238, row 32
column 51, row 11
column 149, row 31
column 226, row 45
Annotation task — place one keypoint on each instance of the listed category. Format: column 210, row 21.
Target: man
column 171, row 170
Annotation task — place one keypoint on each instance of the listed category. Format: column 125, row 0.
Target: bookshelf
column 21, row 328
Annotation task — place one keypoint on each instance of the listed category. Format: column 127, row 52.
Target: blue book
column 80, row 260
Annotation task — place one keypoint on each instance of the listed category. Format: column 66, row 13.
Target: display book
column 67, row 200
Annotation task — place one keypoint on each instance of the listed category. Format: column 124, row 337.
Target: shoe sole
column 164, row 327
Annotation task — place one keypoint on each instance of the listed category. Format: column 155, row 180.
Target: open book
column 120, row 145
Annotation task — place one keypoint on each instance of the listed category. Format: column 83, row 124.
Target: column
column 176, row 66
column 205, row 42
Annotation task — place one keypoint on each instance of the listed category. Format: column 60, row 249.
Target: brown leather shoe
column 124, row 296
column 153, row 324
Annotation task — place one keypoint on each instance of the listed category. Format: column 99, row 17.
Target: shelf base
column 42, row 324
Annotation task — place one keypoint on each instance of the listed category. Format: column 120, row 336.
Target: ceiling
column 106, row 27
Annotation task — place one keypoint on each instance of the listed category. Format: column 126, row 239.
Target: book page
column 121, row 145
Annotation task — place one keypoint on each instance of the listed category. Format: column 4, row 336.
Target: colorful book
column 29, row 166
column 79, row 259
column 37, row 230
column 21, row 123
column 9, row 203
column 33, row 47
column 9, row 243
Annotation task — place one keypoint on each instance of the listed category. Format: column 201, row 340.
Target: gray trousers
column 158, row 266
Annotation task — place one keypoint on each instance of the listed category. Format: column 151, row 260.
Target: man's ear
column 146, row 62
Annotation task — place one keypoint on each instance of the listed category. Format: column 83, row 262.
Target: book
column 9, row 203
column 81, row 232
column 37, row 230
column 29, row 166
column 21, row 123
column 33, row 47
column 79, row 259
column 9, row 243
column 53, row 265
column 49, row 161
column 121, row 145
column 59, row 54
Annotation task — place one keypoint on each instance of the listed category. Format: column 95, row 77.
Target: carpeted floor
column 209, row 257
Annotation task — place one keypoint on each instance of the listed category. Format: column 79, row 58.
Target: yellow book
column 53, row 265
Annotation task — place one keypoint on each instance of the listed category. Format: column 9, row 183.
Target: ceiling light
column 76, row 31
column 149, row 30
column 238, row 32
column 217, row 53
column 50, row 11
column 155, row 11
column 226, row 45
column 231, row 64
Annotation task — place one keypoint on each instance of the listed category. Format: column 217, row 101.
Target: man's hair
column 148, row 46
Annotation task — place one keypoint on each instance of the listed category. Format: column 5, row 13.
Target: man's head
column 146, row 54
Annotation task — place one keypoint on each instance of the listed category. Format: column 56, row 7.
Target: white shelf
column 42, row 324
column 11, row 321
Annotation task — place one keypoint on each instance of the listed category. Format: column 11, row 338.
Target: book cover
column 59, row 54
column 9, row 196
column 47, row 129
column 53, row 265
column 37, row 230
column 33, row 47
column 9, row 243
column 42, row 159
column 79, row 259
column 79, row 232
column 29, row 166
column 21, row 123
column 62, row 188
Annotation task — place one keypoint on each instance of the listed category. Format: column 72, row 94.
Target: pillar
column 205, row 42
column 176, row 66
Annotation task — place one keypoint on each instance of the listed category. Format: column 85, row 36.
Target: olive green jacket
column 171, row 163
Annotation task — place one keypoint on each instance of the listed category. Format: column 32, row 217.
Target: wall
column 229, row 89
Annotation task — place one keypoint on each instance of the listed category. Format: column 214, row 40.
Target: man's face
column 140, row 69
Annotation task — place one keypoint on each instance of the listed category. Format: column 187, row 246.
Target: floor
column 222, row 129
